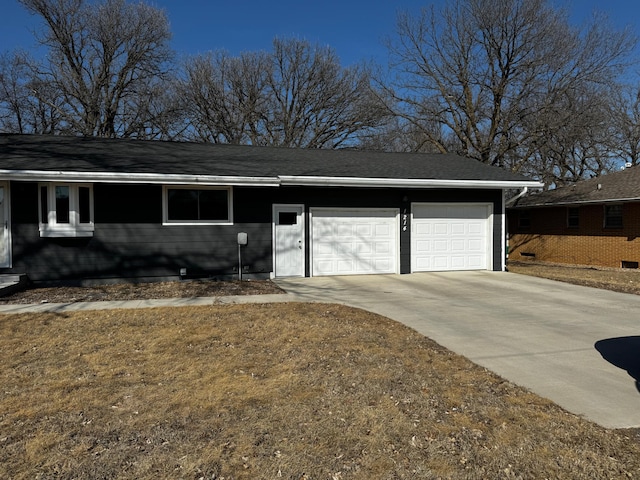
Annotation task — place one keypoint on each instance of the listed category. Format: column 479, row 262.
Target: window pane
column 524, row 219
column 287, row 218
column 62, row 204
column 44, row 205
column 84, row 204
column 613, row 216
column 182, row 204
column 573, row 217
column 213, row 205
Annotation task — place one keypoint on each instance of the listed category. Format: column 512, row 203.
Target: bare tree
column 296, row 96
column 21, row 111
column 492, row 73
column 225, row 96
column 625, row 113
column 104, row 59
column 314, row 102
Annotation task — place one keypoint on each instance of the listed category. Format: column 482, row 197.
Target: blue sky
column 354, row 28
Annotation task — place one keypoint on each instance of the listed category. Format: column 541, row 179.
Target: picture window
column 184, row 205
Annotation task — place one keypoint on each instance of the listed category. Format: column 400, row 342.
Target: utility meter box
column 242, row 238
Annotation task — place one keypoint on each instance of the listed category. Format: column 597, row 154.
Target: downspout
column 517, row 197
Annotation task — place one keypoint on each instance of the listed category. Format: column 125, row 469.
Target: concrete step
column 12, row 282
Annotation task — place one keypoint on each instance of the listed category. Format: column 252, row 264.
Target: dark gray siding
column 130, row 241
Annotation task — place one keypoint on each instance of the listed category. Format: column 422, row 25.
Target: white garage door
column 354, row 241
column 450, row 237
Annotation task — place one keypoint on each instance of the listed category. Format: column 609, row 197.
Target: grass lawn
column 267, row 391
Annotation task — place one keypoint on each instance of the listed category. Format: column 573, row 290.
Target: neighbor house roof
column 620, row 186
column 50, row 158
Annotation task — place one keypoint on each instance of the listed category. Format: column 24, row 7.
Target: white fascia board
column 168, row 179
column 403, row 182
column 89, row 177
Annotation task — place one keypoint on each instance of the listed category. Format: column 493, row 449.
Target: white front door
column 5, row 250
column 288, row 240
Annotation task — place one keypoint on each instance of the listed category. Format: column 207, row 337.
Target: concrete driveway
column 577, row 346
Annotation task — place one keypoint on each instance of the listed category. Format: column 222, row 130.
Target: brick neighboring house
column 593, row 222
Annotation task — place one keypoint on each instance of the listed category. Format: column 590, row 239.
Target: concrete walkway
column 577, row 346
column 163, row 302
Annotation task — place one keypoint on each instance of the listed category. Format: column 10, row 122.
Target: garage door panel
column 450, row 237
column 458, row 245
column 383, row 264
column 423, row 228
column 364, row 231
column 457, row 229
column 383, row 248
column 476, row 261
column 344, row 266
column 475, row 245
column 440, row 229
column 344, row 230
column 440, row 262
column 458, row 262
column 364, row 248
column 362, row 241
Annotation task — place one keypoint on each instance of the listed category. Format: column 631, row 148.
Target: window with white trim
column 183, row 205
column 66, row 209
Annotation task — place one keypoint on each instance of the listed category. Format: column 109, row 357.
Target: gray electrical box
column 242, row 238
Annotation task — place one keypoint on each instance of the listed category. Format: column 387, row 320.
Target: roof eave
column 152, row 178
column 580, row 202
column 274, row 181
column 405, row 182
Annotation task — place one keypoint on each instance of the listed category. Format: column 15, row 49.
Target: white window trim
column 49, row 226
column 165, row 206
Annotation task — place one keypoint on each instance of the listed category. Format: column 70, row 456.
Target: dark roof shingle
column 93, row 155
column 613, row 187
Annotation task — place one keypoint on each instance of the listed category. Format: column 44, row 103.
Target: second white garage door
column 354, row 241
column 450, row 237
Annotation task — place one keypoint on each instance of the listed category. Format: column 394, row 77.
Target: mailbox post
column 242, row 240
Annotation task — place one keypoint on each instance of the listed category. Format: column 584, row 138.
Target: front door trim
column 6, row 259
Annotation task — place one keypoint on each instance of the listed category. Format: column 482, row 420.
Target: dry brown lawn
column 268, row 391
column 141, row 291
column 616, row 279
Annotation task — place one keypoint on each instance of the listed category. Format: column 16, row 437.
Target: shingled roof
column 22, row 156
column 620, row 186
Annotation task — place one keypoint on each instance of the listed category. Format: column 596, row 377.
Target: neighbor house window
column 613, row 216
column 66, row 210
column 203, row 205
column 573, row 217
column 524, row 219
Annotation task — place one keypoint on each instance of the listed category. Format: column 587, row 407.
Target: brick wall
column 549, row 239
